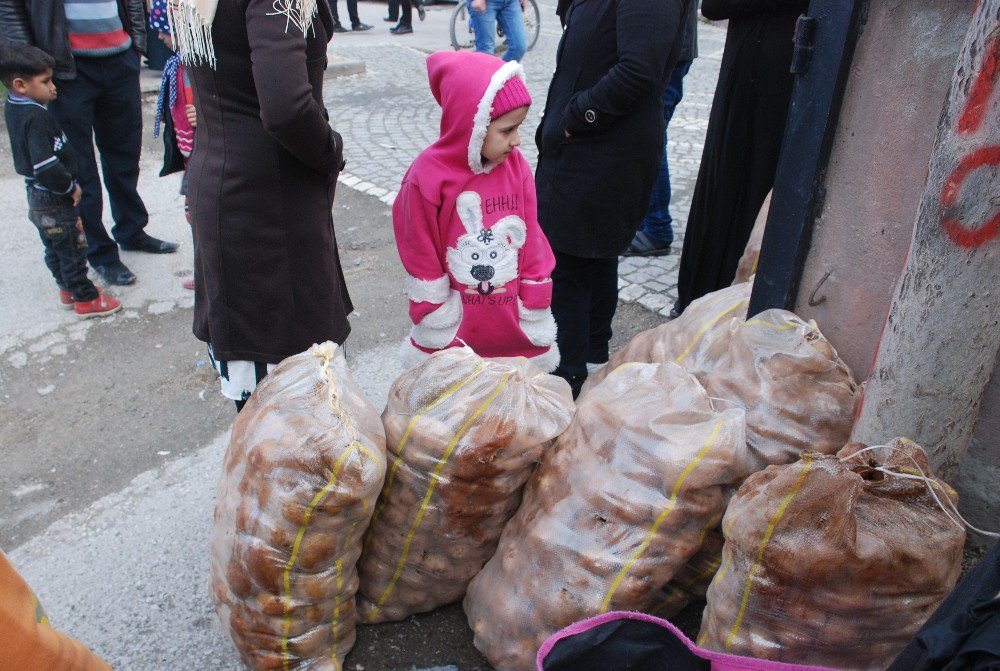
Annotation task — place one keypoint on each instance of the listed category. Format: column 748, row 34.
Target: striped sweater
column 95, row 28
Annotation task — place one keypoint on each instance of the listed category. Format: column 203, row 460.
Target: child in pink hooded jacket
column 466, row 224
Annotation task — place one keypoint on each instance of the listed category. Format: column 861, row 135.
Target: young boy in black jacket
column 43, row 156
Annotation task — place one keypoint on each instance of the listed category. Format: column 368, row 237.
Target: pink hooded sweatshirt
column 477, row 263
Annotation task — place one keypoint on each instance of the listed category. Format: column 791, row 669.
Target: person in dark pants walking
column 96, row 47
column 405, row 25
column 656, row 235
column 352, row 14
column 599, row 149
column 43, row 156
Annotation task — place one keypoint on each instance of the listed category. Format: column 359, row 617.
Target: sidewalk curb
column 357, row 184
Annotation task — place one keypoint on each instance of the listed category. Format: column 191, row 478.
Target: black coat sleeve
column 288, row 109
column 133, row 15
column 14, row 23
column 49, row 170
column 642, row 61
column 717, row 10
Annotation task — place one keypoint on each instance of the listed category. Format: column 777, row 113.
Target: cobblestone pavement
column 387, row 116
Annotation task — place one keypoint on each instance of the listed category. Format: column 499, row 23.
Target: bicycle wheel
column 462, row 36
column 532, row 23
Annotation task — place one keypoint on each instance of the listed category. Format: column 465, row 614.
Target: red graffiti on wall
column 969, row 121
column 960, row 234
column 977, row 104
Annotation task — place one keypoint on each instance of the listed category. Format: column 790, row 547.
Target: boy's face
column 39, row 88
column 502, row 135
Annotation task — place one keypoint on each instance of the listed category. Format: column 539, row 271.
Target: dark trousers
column 407, row 6
column 584, row 299
column 102, row 104
column 59, row 227
column 352, row 11
column 657, row 224
column 393, row 10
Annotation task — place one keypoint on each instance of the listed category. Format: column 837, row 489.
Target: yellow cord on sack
column 287, row 576
column 759, row 559
column 707, row 325
column 777, row 327
column 326, row 352
column 435, row 477
column 671, row 504
column 391, row 476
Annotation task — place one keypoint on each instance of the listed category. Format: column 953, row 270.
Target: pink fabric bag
column 622, row 641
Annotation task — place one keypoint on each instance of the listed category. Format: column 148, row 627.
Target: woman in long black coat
column 743, row 140
column 599, row 149
column 268, row 278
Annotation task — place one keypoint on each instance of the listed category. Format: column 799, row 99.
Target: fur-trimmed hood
column 465, row 85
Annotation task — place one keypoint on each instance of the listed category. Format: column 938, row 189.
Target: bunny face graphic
column 485, row 259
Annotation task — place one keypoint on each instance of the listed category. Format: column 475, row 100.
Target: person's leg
column 484, row 25
column 65, row 246
column 657, row 224
column 511, row 20
column 571, row 284
column 406, row 15
column 333, row 11
column 393, row 11
column 74, row 110
column 352, row 12
column 603, row 303
column 72, row 252
column 118, row 133
column 52, row 260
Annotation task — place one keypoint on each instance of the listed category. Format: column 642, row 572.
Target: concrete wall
column 902, row 68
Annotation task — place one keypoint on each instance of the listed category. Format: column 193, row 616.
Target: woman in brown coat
column 263, row 173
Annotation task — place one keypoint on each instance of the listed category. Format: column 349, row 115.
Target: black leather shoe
column 360, row 27
column 420, row 9
column 143, row 242
column 115, row 272
column 401, row 30
column 390, row 19
column 338, row 28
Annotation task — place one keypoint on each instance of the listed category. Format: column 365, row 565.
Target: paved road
column 112, row 431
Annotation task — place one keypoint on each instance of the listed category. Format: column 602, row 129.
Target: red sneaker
column 65, row 300
column 101, row 306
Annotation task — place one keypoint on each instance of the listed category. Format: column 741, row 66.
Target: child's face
column 502, row 135
column 39, row 88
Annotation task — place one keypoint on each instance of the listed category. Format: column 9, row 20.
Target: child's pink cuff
column 536, row 295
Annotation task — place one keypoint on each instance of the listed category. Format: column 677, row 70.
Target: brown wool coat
column 267, row 272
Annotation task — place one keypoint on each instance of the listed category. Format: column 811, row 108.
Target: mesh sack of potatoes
column 464, row 434
column 695, row 340
column 835, row 560
column 693, row 579
column 614, row 510
column 300, row 480
column 798, row 393
column 747, row 266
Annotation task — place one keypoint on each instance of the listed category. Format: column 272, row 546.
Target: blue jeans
column 511, row 19
column 59, row 227
column 657, row 224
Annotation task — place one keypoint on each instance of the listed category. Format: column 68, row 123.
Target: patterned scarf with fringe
column 191, row 24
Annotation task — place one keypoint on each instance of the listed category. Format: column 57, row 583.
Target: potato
column 301, row 478
column 850, row 573
column 696, row 340
column 474, row 430
column 598, row 528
